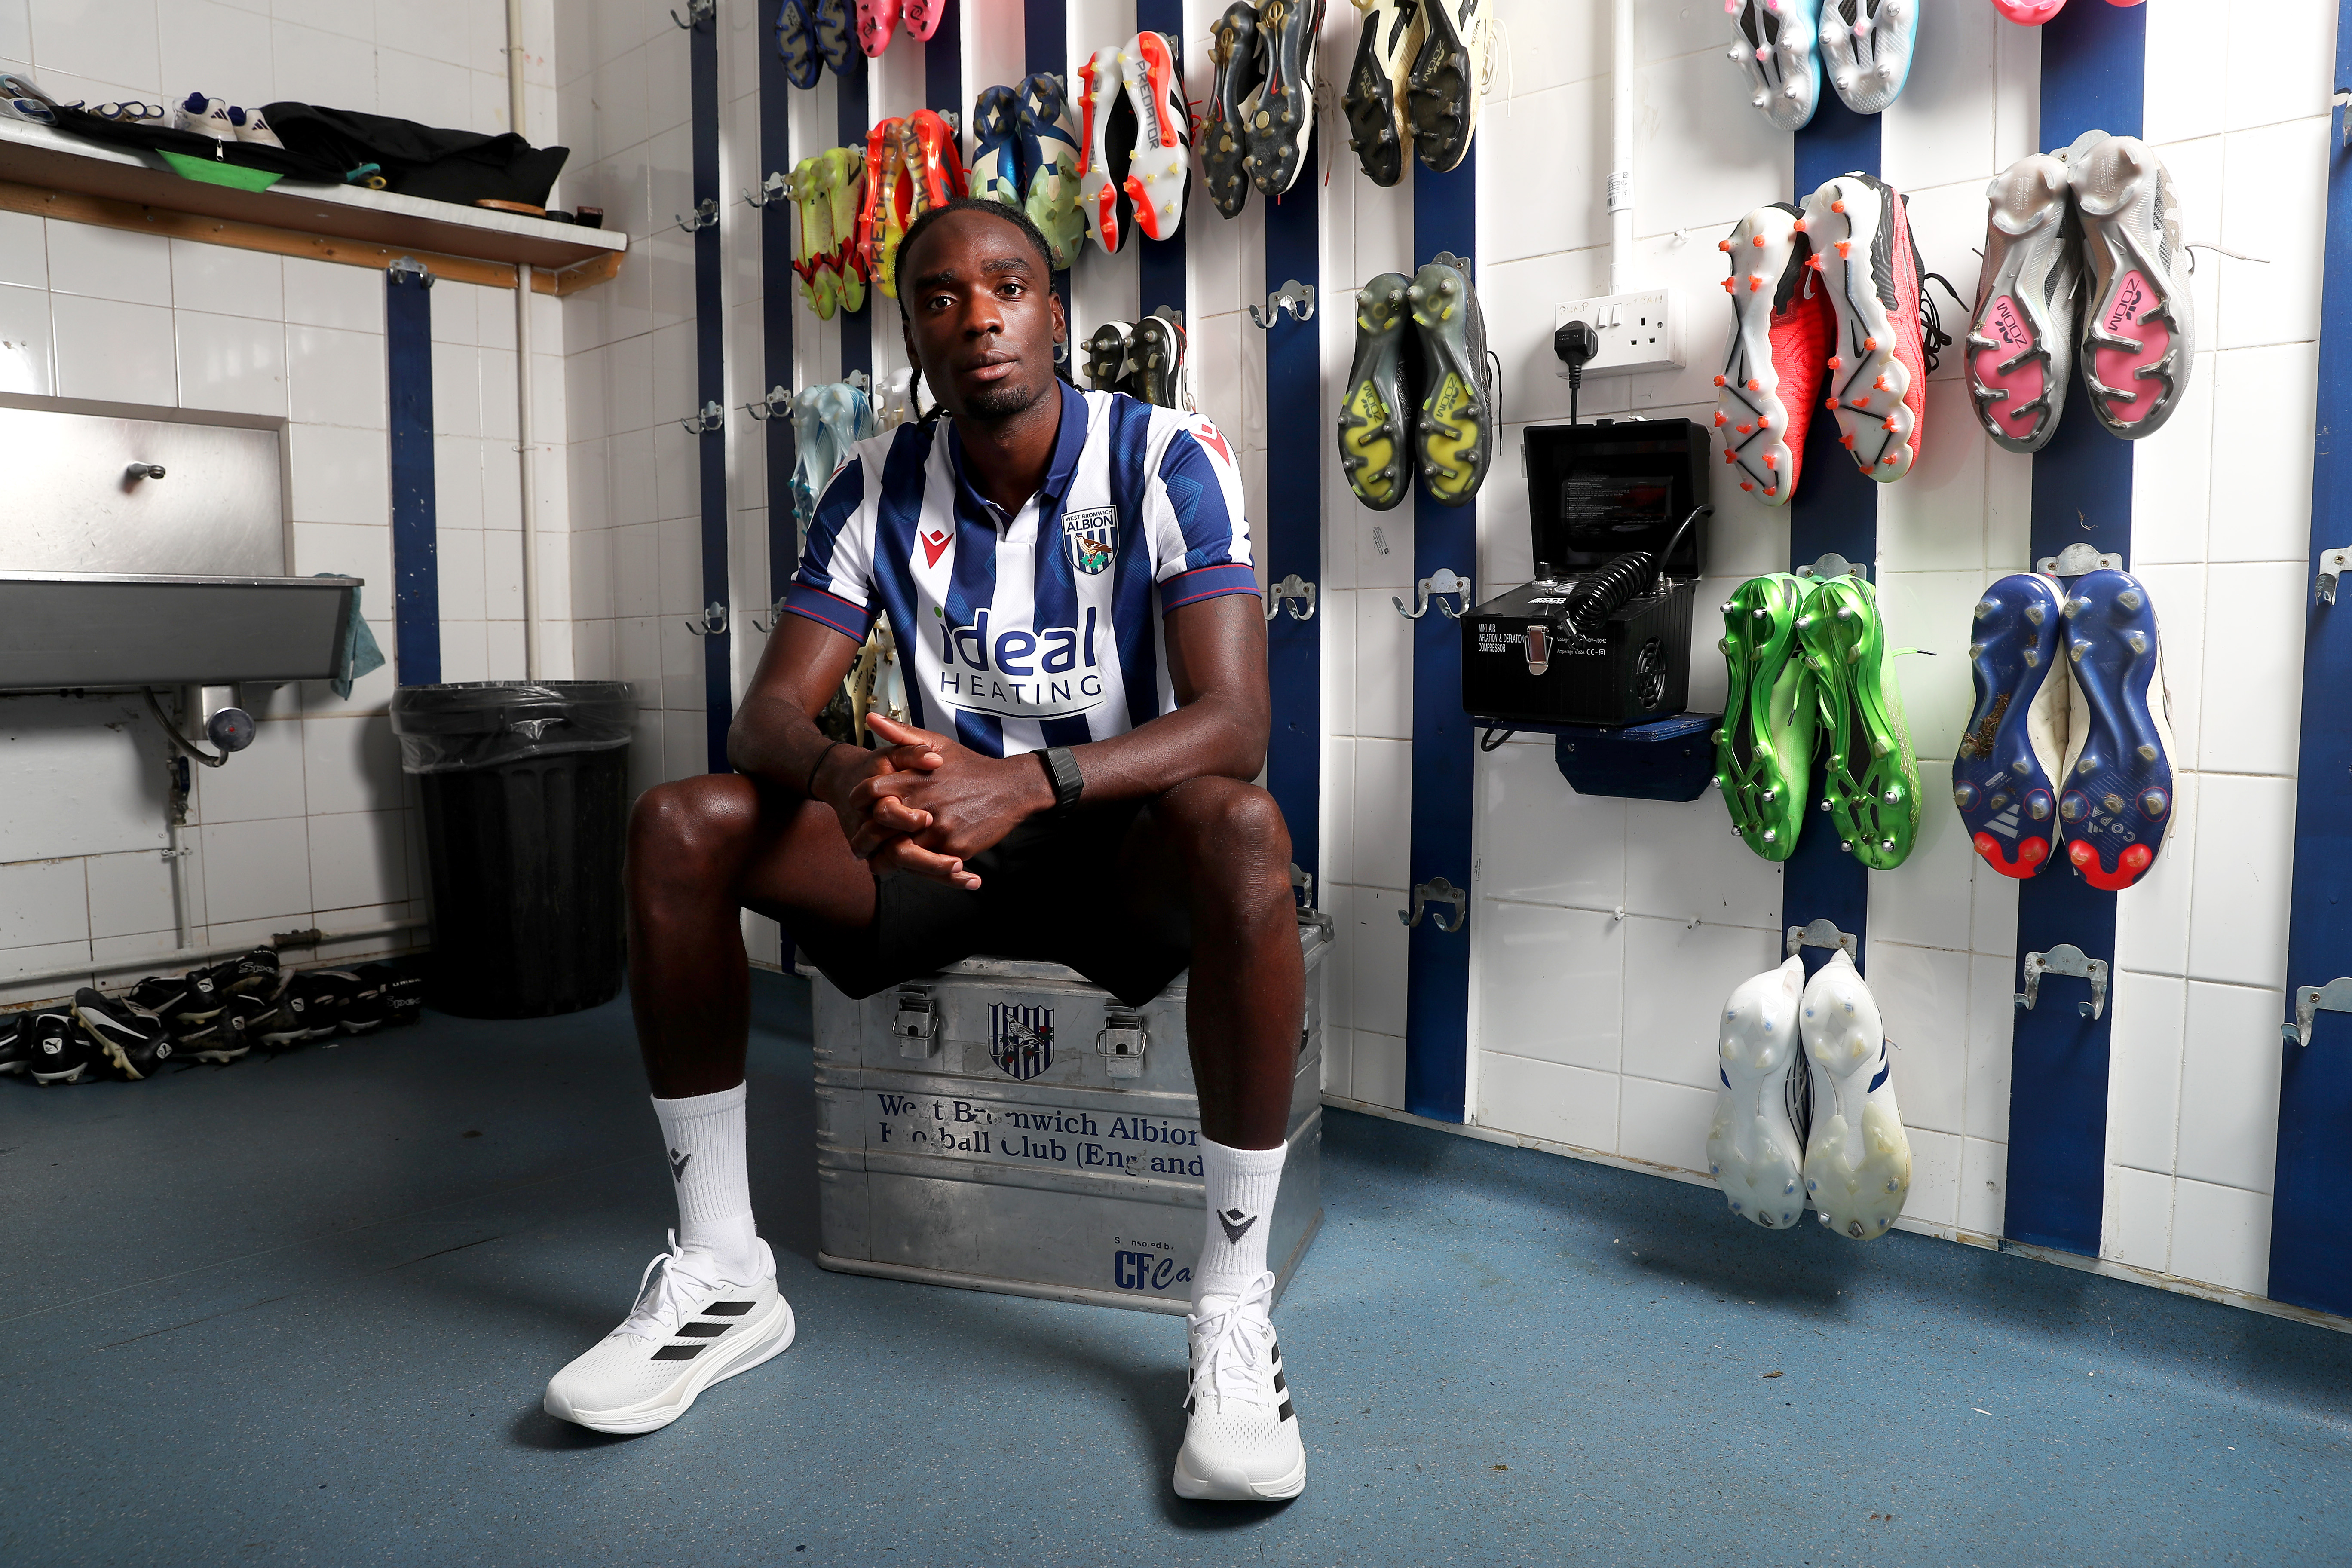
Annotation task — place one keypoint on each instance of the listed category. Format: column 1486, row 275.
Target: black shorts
column 1049, row 892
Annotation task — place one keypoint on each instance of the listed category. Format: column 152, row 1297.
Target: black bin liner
column 526, row 790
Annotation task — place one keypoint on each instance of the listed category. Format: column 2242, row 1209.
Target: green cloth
column 359, row 654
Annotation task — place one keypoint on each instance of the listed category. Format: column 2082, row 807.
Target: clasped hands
column 926, row 803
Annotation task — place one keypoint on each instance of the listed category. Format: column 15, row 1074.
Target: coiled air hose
column 1598, row 593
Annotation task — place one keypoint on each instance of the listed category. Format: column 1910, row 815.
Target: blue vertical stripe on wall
column 1834, row 510
column 1292, row 529
column 851, row 118
column 711, row 386
column 416, row 559
column 776, row 307
column 1437, row 963
column 1045, row 48
column 2093, row 59
column 2311, row 1262
column 944, row 69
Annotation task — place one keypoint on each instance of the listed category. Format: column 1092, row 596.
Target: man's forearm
column 778, row 742
column 1210, row 738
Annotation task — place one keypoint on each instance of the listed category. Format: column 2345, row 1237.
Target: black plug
column 1575, row 343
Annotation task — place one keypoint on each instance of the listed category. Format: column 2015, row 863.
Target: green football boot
column 1870, row 783
column 1764, row 752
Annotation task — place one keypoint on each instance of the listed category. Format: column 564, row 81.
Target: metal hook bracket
column 705, row 215
column 775, row 188
column 1435, row 588
column 2333, row 565
column 408, row 268
column 711, row 622
column 1296, row 297
column 2076, row 560
column 1437, row 891
column 775, row 613
column 1824, row 934
column 777, row 403
column 2336, row 996
column 697, row 13
column 1297, row 591
column 2066, row 959
column 704, row 420
column 1833, row 565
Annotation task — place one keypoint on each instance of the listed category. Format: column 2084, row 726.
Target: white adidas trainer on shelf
column 1753, row 1150
column 1857, row 1156
column 684, row 1334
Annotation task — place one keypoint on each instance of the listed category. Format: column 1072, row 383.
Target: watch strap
column 1062, row 769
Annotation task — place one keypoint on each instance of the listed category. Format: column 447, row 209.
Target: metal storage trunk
column 1010, row 1126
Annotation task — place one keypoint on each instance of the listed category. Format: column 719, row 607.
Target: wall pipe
column 168, row 958
column 524, row 378
column 1620, row 149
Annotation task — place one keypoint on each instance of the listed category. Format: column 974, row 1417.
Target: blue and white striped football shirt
column 1045, row 630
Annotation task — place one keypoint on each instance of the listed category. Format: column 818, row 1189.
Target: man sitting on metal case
column 1068, row 577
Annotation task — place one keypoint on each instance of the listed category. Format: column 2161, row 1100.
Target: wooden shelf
column 50, row 174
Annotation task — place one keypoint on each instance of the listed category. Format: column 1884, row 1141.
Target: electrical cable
column 1494, row 738
column 172, row 732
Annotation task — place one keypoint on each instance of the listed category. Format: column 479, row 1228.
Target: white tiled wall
column 314, row 823
column 1605, row 931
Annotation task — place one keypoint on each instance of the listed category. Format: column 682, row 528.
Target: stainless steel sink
column 63, row 630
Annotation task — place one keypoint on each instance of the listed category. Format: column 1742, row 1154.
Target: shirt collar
column 1069, row 444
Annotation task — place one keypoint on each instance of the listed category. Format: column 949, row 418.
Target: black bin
column 526, row 789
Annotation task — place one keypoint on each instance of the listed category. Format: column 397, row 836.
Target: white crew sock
column 1240, row 1187
column 703, row 1138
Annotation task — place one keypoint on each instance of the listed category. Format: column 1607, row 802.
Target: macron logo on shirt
column 935, row 544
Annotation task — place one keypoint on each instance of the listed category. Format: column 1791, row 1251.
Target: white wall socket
column 1638, row 332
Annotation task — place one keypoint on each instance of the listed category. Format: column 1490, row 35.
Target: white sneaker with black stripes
column 685, row 1333
column 1241, row 1434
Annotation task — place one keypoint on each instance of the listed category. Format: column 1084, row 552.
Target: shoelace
column 662, row 1303
column 1233, row 1345
column 1933, row 339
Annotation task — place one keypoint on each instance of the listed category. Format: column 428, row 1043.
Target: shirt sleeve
column 835, row 585
column 1200, row 538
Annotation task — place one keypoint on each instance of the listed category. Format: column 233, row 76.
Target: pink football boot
column 877, row 20
column 922, row 18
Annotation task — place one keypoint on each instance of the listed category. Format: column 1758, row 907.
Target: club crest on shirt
column 1020, row 1039
column 1092, row 537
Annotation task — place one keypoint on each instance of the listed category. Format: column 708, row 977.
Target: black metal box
column 1596, row 492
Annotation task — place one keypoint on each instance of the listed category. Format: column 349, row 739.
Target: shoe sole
column 1053, row 196
column 1453, row 437
column 1850, row 222
column 111, row 1050
column 1102, row 194
column 1224, row 140
column 835, row 22
column 1106, row 350
column 1869, row 57
column 1156, row 360
column 2001, row 783
column 1751, row 408
column 1753, row 1151
column 874, row 29
column 2136, row 345
column 995, row 170
column 2019, row 355
column 1159, row 169
column 72, row 1075
column 797, row 43
column 1763, row 36
column 1442, row 94
column 1195, row 1490
column 2116, row 799
column 652, row 1415
column 1857, row 1155
column 1768, row 675
column 1373, row 438
column 842, row 181
column 1284, row 121
column 1378, row 86
column 1871, row 788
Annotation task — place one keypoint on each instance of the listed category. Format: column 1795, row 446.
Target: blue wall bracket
column 776, row 219
column 710, row 387
column 1292, row 530
column 415, row 549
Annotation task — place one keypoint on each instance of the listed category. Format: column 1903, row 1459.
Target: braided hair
column 921, row 225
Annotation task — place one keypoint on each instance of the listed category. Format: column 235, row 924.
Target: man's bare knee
column 692, row 830
column 1224, row 823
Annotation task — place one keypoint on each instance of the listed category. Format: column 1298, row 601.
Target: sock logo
column 1235, row 1231
column 678, row 1165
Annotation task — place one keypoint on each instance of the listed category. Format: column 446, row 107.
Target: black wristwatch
column 1063, row 769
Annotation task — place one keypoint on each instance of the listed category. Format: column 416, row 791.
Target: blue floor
column 301, row 1311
